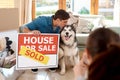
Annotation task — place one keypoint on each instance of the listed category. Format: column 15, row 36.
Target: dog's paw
column 62, row 72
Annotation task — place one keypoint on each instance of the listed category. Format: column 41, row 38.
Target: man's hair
column 99, row 39
column 61, row 14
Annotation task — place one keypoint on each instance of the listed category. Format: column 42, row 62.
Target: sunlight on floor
column 47, row 75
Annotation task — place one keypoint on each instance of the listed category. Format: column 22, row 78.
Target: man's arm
column 24, row 29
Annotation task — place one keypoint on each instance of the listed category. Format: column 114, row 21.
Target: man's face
column 62, row 23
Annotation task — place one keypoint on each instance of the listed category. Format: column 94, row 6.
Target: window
column 7, row 4
column 106, row 8
column 78, row 6
column 100, row 7
column 46, row 7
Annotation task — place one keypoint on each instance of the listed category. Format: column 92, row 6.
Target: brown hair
column 107, row 65
column 61, row 14
column 99, row 39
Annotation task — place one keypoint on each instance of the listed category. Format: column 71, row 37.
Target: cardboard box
column 9, row 19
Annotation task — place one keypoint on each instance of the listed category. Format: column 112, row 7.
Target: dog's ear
column 73, row 27
column 75, row 24
column 70, row 13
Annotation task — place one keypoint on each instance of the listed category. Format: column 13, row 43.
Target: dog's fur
column 68, row 51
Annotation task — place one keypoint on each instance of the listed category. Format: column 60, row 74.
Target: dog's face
column 68, row 34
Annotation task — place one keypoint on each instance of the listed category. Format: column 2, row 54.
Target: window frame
column 33, row 9
column 94, row 7
column 62, row 5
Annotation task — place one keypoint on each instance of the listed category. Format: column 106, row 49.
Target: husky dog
column 68, row 51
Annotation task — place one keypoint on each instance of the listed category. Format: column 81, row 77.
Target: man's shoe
column 34, row 70
column 52, row 69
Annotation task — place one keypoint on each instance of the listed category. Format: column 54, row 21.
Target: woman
column 107, row 65
column 97, row 42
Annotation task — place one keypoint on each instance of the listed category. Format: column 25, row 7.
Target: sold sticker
column 32, row 54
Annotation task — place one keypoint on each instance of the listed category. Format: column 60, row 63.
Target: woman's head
column 99, row 39
column 107, row 65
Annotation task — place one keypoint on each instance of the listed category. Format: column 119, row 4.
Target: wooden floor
column 42, row 74
column 47, row 75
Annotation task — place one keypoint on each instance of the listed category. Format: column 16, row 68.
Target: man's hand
column 36, row 32
column 80, row 69
column 26, row 30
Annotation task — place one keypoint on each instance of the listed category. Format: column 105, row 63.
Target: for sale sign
column 37, row 51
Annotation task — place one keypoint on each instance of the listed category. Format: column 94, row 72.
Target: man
column 47, row 24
